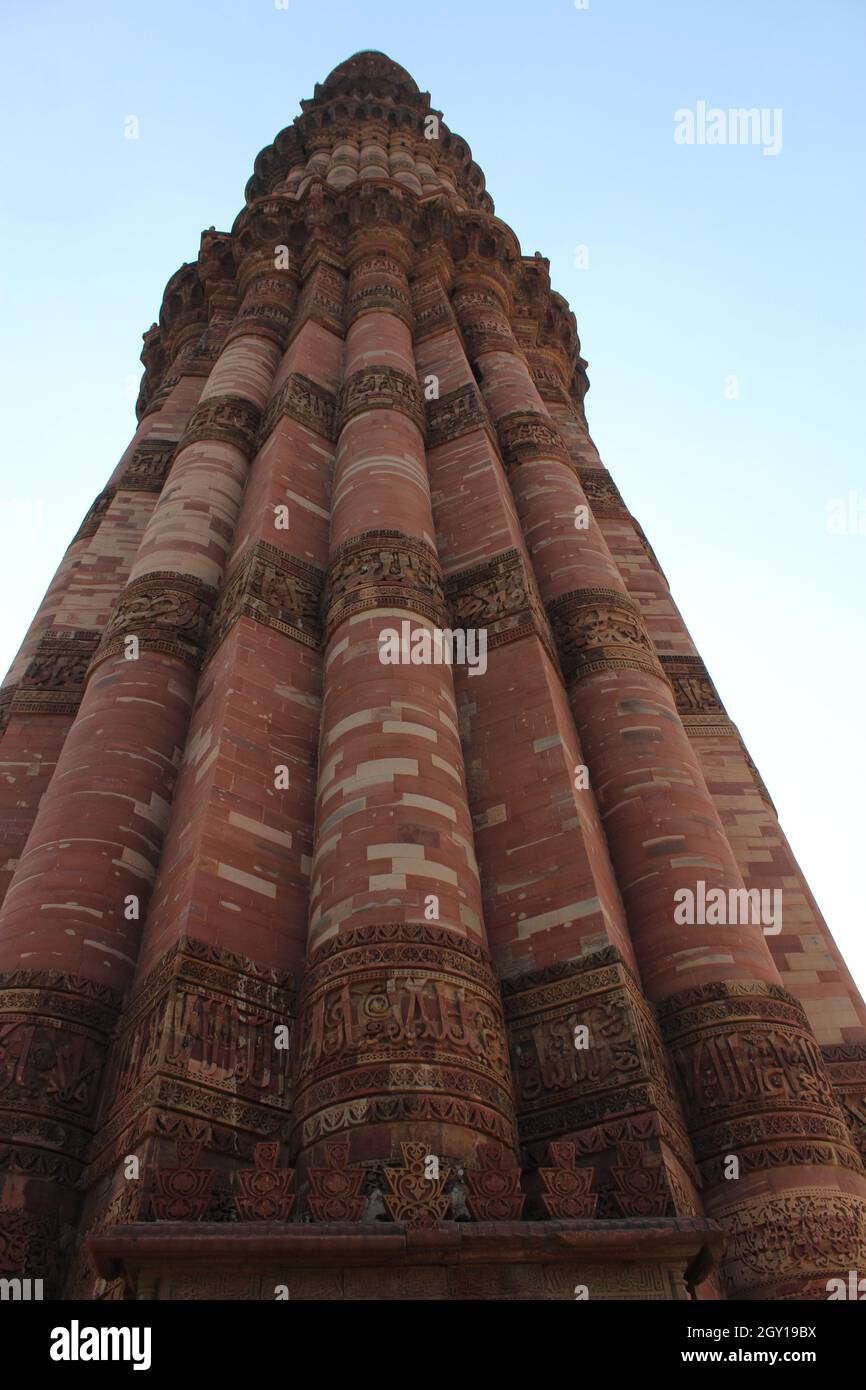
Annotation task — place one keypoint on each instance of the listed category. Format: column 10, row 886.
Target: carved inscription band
column 382, row 388
column 383, row 569
column 601, row 630
column 166, row 612
column 401, row 1023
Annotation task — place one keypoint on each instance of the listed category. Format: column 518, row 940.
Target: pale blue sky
column 705, row 262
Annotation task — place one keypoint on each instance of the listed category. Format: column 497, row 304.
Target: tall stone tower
column 406, row 976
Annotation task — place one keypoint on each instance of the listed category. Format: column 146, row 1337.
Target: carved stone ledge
column 232, row 419
column 455, row 414
column 527, row 437
column 53, row 682
column 274, row 589
column 167, row 612
column 383, row 569
column 305, row 401
column 381, row 388
column 601, row 630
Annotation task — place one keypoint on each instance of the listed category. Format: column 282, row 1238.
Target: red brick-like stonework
column 371, row 970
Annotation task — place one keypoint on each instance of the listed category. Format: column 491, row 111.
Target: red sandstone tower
column 374, row 969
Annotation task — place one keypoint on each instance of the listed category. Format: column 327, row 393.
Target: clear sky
column 705, row 263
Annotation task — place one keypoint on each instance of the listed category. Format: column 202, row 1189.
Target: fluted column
column 70, row 925
column 400, row 1027
column 749, row 1071
column 553, row 911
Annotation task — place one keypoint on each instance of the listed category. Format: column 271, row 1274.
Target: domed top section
column 365, row 74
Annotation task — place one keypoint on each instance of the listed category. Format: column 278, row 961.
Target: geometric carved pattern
column 640, row 1187
column 566, row 1195
column 264, row 1190
column 383, row 569
column 494, row 1185
column 182, row 1193
column 411, row 1197
column 273, row 588
column 600, row 630
column 336, row 1190
column 199, row 1032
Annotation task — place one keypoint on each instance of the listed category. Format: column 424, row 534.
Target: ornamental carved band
column 231, row 419
column 199, row 1040
column 614, row 1088
column 752, row 1080
column 455, row 414
column 501, row 596
column 381, row 298
column 433, row 312
column 809, row 1230
column 91, row 523
column 846, row 1066
column 601, row 630
column 693, row 690
column 149, row 466
column 53, row 682
column 54, row 1034
column 527, row 437
column 401, row 1023
column 383, row 569
column 274, row 589
column 381, row 388
column 166, row 612
column 305, row 401
column 601, row 492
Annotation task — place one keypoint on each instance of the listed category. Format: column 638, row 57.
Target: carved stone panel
column 383, row 569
